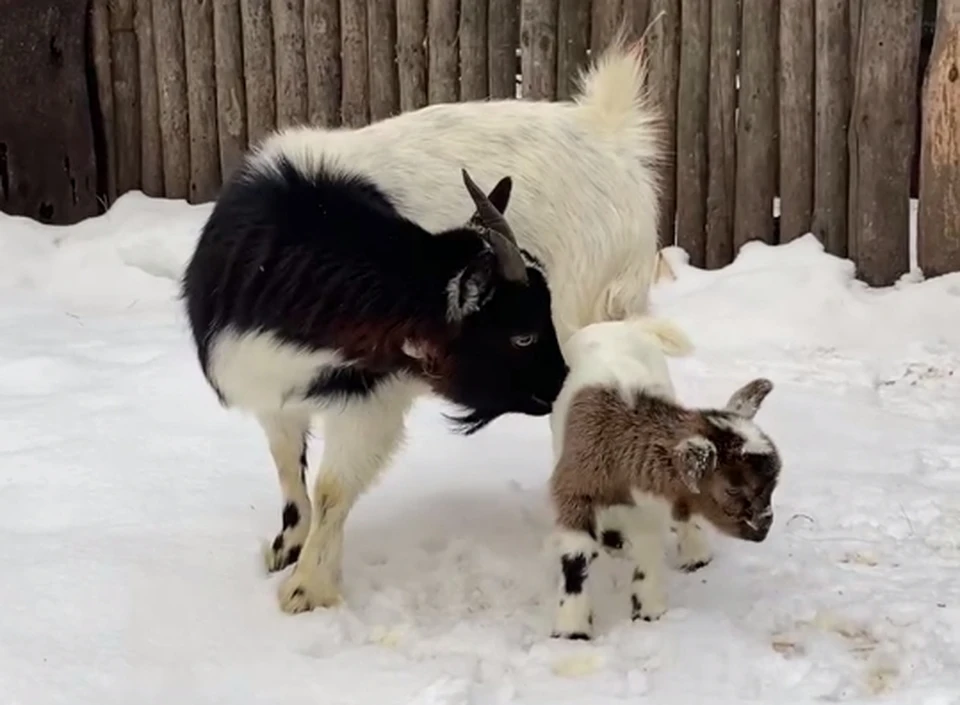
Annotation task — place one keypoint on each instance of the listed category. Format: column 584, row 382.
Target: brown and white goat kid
column 629, row 459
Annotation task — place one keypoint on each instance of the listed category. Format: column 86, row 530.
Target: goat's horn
column 498, row 233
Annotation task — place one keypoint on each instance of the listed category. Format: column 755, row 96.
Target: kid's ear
column 746, row 401
column 696, row 458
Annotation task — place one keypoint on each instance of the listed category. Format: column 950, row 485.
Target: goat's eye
column 522, row 341
column 733, row 493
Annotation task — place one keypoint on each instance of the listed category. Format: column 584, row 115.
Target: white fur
column 628, row 355
column 584, row 196
column 754, row 440
column 261, row 374
column 573, row 613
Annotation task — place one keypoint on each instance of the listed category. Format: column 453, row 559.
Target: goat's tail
column 671, row 339
column 613, row 92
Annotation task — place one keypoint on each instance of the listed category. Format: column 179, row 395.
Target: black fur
column 574, row 568
column 325, row 261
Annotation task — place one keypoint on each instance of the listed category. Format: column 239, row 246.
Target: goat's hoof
column 649, row 610
column 278, row 555
column 694, row 564
column 300, row 595
column 573, row 636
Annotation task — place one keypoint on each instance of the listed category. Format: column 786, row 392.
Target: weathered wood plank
column 832, row 101
column 412, row 53
column 663, row 45
column 606, row 17
column 538, row 49
column 103, row 67
column 382, row 46
column 168, row 44
column 692, row 107
column 355, row 101
column 573, row 39
column 442, row 26
column 231, row 95
column 796, row 117
column 258, row 76
column 503, row 38
column 201, row 100
column 125, row 59
column 321, row 29
column 881, row 137
column 151, row 146
column 757, row 124
column 938, row 245
column 47, row 157
column 473, row 50
column 722, row 132
column 291, row 66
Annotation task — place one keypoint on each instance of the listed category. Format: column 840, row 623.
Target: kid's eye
column 522, row 341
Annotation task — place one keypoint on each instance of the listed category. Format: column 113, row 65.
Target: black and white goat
column 309, row 294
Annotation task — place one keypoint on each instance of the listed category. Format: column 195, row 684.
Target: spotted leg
column 573, row 618
column 359, row 440
column 693, row 549
column 287, row 437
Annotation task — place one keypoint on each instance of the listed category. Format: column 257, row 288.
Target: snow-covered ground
column 132, row 508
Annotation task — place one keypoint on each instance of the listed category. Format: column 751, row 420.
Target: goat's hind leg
column 287, row 436
column 577, row 549
column 359, row 440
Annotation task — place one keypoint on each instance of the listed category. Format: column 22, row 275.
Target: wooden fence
column 814, row 101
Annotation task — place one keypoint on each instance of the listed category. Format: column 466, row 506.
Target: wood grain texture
column 290, row 62
column 503, row 38
column 442, row 52
column 231, row 94
column 355, row 100
column 151, row 143
column 258, row 75
column 573, row 40
column 938, row 245
column 321, row 30
column 412, row 53
column 663, row 42
column 538, row 49
column 796, row 117
column 168, row 42
column 473, row 50
column 757, row 124
column 382, row 58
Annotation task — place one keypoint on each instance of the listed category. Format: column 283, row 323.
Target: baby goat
column 308, row 293
column 629, row 459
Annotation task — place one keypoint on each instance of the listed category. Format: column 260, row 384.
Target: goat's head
column 504, row 356
column 731, row 468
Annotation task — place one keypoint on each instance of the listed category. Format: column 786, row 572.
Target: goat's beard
column 469, row 422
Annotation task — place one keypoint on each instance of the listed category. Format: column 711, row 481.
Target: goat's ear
column 469, row 290
column 746, row 401
column 696, row 458
column 500, row 196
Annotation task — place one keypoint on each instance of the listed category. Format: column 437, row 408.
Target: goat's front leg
column 359, row 441
column 637, row 533
column 287, row 435
column 693, row 549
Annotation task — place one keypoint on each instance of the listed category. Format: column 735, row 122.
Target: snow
column 132, row 507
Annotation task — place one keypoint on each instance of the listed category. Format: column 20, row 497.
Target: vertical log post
column 538, row 49
column 664, row 48
column 722, row 132
column 473, row 50
column 103, row 66
column 692, row 107
column 757, row 124
column 938, row 245
column 201, row 100
column 151, row 150
column 503, row 37
column 881, row 138
column 382, row 44
column 573, row 37
column 291, row 66
column 258, row 80
column 321, row 30
column 412, row 53
column 832, row 91
column 231, row 96
column 442, row 27
column 125, row 59
column 172, row 83
column 796, row 118
column 355, row 101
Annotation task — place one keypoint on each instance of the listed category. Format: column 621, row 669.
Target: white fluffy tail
column 613, row 91
column 671, row 339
